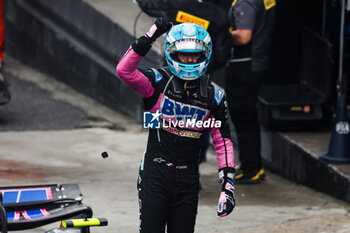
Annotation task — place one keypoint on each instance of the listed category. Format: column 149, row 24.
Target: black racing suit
column 169, row 180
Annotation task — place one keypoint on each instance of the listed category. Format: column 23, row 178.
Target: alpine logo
column 220, row 94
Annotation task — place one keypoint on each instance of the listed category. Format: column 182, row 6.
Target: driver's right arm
column 128, row 73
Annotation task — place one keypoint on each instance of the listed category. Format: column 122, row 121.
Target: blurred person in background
column 252, row 21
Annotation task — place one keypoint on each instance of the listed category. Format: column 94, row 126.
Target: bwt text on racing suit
column 169, row 180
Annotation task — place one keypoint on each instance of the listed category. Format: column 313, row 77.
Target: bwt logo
column 181, row 111
column 151, row 120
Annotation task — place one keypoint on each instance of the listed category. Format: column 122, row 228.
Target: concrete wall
column 292, row 161
column 75, row 43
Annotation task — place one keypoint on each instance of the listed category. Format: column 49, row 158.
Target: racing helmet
column 190, row 38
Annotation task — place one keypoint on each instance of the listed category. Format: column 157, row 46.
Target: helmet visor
column 189, row 45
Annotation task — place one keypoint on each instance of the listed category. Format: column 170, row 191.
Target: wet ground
column 58, row 137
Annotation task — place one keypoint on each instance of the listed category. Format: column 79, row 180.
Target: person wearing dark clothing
column 177, row 95
column 253, row 23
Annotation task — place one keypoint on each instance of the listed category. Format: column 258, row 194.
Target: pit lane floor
column 49, row 133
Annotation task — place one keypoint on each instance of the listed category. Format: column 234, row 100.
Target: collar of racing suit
column 179, row 86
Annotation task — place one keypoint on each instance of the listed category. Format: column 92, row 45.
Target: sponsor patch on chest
column 183, row 112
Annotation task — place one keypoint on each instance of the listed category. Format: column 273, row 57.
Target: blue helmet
column 191, row 38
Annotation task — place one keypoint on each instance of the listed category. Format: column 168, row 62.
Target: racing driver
column 168, row 183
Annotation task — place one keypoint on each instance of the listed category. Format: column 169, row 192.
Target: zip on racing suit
column 168, row 181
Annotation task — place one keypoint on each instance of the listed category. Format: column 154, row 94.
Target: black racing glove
column 160, row 27
column 227, row 197
column 143, row 44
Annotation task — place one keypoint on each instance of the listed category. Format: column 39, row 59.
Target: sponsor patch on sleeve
column 218, row 94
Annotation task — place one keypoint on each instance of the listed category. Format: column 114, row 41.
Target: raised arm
column 127, row 72
column 127, row 68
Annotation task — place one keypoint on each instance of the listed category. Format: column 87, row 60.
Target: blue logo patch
column 218, row 94
column 157, row 75
column 151, row 120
